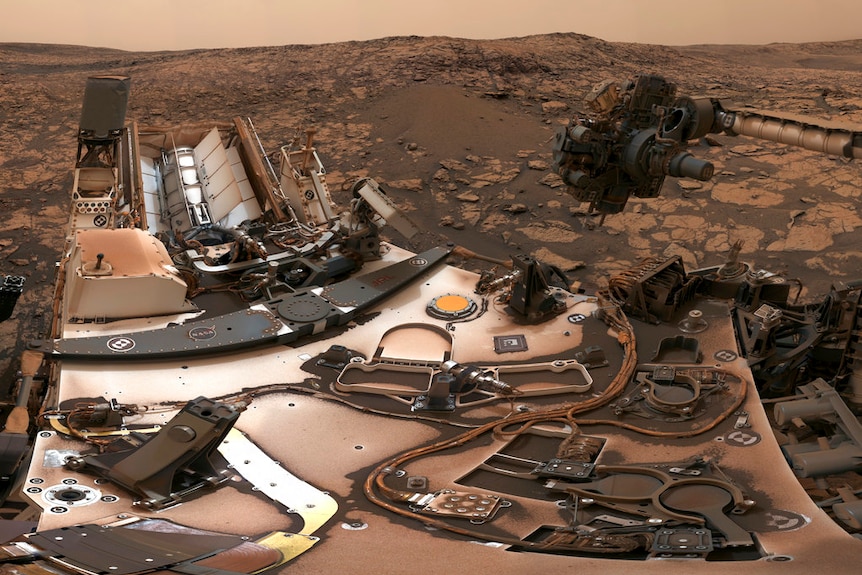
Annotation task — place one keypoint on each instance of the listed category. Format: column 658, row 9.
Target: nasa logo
column 202, row 333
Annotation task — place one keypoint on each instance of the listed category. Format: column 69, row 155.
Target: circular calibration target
column 451, row 306
column 303, row 309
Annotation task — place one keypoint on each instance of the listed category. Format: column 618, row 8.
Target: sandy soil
column 459, row 132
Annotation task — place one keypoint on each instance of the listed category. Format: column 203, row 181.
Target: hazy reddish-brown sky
column 183, row 24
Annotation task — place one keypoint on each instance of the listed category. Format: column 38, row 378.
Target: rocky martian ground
column 459, row 132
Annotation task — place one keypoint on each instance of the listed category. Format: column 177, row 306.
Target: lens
column 684, row 165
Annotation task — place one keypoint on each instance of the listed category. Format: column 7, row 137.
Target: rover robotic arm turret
column 632, row 135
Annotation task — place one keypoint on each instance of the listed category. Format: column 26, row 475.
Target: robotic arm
column 634, row 134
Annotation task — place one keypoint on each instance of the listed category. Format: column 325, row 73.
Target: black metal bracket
column 178, row 461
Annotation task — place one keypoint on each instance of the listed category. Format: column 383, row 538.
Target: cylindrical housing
column 817, row 408
column 684, row 165
column 836, row 141
column 854, row 396
column 845, row 457
column 849, row 513
column 578, row 179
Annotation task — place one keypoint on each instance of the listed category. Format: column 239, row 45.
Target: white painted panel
column 208, row 145
column 246, row 190
column 220, row 188
column 247, row 210
column 151, row 201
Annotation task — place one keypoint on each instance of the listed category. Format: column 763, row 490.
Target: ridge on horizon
column 573, row 35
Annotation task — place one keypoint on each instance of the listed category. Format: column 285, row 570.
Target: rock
column 412, row 146
column 689, row 184
column 538, row 165
column 446, row 221
column 550, row 232
column 688, row 257
column 458, row 226
column 20, row 261
column 552, row 180
column 554, row 106
column 515, row 208
column 502, row 177
column 413, row 184
column 471, row 213
column 746, row 149
column 802, row 238
column 494, row 220
column 545, row 255
column 689, row 222
column 742, row 195
column 468, row 197
column 451, row 164
column 441, row 175
column 711, row 141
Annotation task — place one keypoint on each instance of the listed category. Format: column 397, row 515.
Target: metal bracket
column 477, row 507
column 171, row 465
column 563, row 469
column 682, row 543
